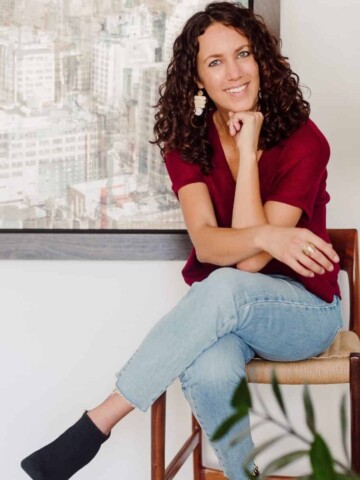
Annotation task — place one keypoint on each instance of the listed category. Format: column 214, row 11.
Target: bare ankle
column 99, row 420
column 106, row 415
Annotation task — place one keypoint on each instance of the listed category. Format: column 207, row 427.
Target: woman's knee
column 222, row 363
column 227, row 276
column 231, row 282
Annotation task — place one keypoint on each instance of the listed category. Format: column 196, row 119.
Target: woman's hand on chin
column 246, row 127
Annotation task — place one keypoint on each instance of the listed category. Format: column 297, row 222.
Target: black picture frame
column 136, row 244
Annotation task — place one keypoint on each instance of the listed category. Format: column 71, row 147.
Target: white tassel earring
column 200, row 102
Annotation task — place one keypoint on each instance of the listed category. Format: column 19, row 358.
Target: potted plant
column 323, row 465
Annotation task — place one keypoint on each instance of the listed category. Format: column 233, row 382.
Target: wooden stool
column 339, row 364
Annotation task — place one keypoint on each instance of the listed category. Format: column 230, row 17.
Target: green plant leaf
column 321, row 460
column 282, row 462
column 257, row 450
column 344, row 426
column 239, row 438
column 306, row 477
column 277, row 393
column 242, row 396
column 342, row 476
column 228, row 424
column 309, row 410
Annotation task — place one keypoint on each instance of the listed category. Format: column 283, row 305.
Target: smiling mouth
column 237, row 89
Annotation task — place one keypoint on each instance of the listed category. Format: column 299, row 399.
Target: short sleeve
column 301, row 171
column 181, row 173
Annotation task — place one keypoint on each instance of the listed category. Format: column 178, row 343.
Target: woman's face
column 227, row 69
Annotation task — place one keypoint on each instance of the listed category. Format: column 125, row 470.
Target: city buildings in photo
column 78, row 82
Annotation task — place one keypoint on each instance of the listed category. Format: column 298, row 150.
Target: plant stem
column 291, row 431
column 288, row 429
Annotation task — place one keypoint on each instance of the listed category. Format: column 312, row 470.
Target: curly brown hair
column 282, row 103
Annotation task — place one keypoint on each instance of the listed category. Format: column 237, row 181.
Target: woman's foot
column 70, row 452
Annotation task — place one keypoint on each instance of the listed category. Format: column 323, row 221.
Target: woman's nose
column 233, row 70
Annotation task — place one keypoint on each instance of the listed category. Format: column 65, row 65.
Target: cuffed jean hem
column 116, row 391
column 133, row 403
column 121, row 388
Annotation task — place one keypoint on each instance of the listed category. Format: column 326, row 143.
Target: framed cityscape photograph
column 78, row 83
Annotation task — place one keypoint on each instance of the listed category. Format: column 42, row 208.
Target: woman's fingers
column 311, row 265
column 232, row 129
column 237, row 119
column 317, row 257
column 324, row 247
column 320, row 259
column 302, row 250
column 234, row 125
column 298, row 268
column 306, row 266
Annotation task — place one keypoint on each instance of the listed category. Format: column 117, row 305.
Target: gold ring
column 309, row 249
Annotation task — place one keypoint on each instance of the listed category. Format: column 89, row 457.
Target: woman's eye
column 214, row 63
column 244, row 53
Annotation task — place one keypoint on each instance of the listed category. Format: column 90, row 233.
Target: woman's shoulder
column 174, row 159
column 180, row 171
column 307, row 139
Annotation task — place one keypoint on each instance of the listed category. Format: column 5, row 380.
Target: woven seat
column 332, row 366
column 340, row 363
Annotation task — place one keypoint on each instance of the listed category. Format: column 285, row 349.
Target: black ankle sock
column 74, row 449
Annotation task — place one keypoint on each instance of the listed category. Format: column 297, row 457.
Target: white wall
column 67, row 327
column 321, row 39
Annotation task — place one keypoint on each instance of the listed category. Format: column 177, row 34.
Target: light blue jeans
column 209, row 336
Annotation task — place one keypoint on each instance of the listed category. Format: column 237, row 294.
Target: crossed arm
column 278, row 214
column 248, row 211
column 252, row 247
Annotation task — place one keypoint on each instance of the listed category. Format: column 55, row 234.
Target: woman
column 249, row 169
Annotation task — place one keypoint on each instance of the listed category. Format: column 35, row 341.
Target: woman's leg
column 274, row 315
column 209, row 384
column 264, row 311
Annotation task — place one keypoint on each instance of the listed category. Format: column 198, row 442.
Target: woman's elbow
column 201, row 256
column 250, row 267
column 204, row 255
column 254, row 264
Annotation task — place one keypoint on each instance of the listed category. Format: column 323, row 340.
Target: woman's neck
column 223, row 130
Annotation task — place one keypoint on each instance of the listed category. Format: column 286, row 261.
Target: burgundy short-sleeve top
column 293, row 172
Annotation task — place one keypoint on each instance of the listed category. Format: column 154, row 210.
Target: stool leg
column 355, row 411
column 158, row 414
column 197, row 455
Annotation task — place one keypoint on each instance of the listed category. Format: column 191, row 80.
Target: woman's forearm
column 228, row 246
column 245, row 127
column 224, row 246
column 248, row 210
